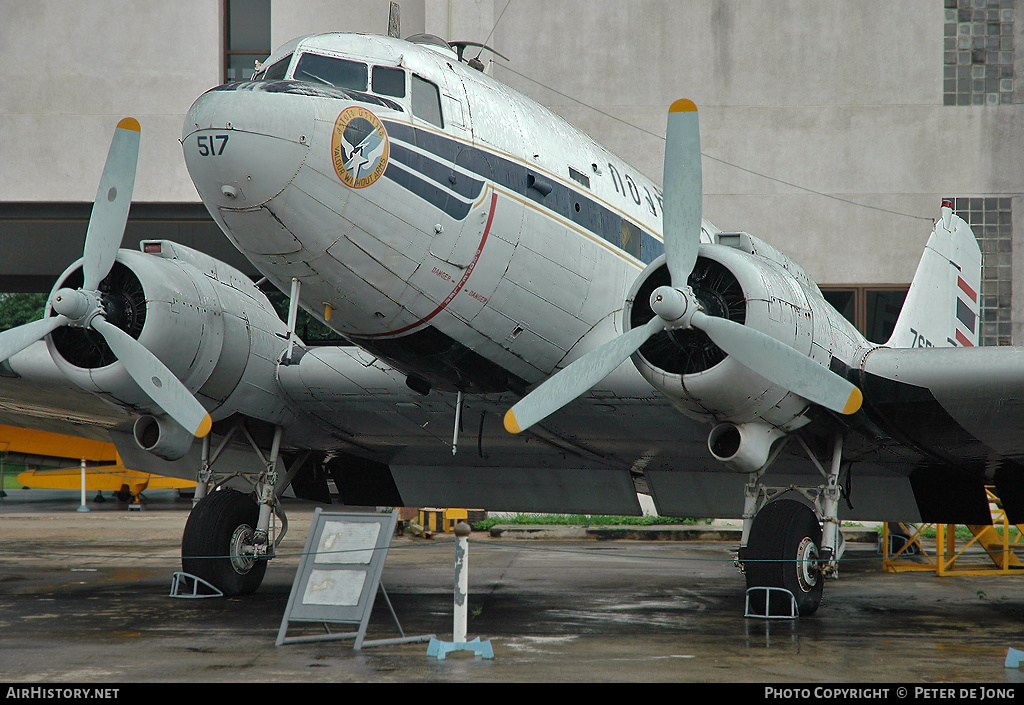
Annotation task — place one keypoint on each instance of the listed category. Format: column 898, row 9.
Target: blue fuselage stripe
column 560, row 199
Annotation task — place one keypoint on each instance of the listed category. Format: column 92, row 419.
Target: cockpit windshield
column 275, row 72
column 337, row 77
column 340, row 73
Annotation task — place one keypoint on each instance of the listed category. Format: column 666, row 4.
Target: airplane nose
column 243, row 146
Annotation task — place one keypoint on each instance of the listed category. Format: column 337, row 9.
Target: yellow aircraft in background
column 111, row 476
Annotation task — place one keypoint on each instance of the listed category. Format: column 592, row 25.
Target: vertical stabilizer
column 943, row 305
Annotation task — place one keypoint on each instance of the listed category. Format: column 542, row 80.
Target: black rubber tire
column 784, row 534
column 206, row 544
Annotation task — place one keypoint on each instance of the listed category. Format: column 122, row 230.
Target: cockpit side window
column 426, row 101
column 276, row 72
column 388, row 81
column 333, row 72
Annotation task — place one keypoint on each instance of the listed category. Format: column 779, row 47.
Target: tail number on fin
column 920, row 341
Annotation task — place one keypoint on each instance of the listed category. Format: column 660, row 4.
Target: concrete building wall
column 823, row 124
column 72, row 69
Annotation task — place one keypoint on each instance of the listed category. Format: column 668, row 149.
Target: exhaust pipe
column 162, row 436
column 743, row 447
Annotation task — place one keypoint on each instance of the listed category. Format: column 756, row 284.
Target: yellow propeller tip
column 854, row 402
column 511, row 425
column 204, row 427
column 683, row 105
column 130, row 123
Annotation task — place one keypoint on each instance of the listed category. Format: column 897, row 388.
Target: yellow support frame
column 998, row 546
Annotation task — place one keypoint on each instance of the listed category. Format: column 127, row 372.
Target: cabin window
column 275, row 72
column 426, row 101
column 388, row 81
column 631, row 238
column 579, row 177
column 334, row 72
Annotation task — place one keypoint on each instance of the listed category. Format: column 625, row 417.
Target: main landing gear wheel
column 782, row 552
column 217, row 530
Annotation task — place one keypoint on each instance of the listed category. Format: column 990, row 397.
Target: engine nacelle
column 751, row 283
column 205, row 320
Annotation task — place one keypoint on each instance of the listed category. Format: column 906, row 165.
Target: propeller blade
column 578, row 378
column 781, row 364
column 16, row 339
column 155, row 379
column 683, row 191
column 113, row 198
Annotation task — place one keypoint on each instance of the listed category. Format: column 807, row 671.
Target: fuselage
column 453, row 226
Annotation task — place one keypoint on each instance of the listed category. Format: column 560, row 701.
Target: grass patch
column 11, row 471
column 580, row 520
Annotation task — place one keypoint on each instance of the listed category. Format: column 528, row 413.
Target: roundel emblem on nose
column 359, row 147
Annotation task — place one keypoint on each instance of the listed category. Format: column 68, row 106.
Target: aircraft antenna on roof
column 491, row 33
column 475, row 62
column 395, row 21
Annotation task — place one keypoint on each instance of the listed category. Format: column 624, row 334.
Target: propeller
column 676, row 306
column 83, row 308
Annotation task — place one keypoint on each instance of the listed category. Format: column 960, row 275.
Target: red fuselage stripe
column 458, row 287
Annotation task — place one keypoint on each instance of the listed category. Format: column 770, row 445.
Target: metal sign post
column 339, row 576
column 82, row 507
column 458, row 643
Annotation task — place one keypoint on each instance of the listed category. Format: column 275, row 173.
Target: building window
column 246, row 37
column 872, row 309
column 978, row 52
column 992, row 223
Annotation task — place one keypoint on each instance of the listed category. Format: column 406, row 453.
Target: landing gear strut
column 793, row 544
column 229, row 536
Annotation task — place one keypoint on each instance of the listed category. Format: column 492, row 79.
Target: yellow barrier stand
column 996, row 544
column 437, row 520
column 898, row 561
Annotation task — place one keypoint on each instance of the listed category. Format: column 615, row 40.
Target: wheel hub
column 807, row 572
column 242, row 556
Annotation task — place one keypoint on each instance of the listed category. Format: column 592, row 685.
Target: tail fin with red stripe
column 943, row 305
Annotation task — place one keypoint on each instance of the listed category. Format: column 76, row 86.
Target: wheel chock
column 784, row 599
column 188, row 586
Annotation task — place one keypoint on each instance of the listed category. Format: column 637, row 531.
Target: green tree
column 19, row 308
column 309, row 329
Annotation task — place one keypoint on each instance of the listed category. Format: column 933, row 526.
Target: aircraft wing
column 111, row 478
column 34, row 394
column 29, row 441
column 385, row 441
column 965, row 405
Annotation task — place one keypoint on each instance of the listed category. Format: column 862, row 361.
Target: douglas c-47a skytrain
column 529, row 324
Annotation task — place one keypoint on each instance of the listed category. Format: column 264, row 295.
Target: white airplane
column 475, row 246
